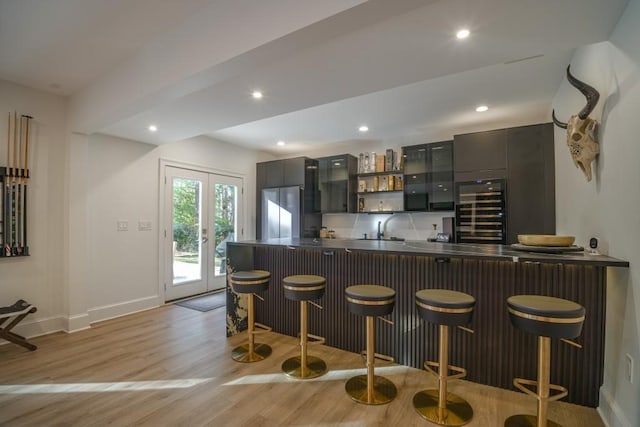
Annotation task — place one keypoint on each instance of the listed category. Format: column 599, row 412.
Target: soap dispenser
column 433, row 234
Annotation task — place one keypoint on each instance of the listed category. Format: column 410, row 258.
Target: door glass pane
column 225, row 200
column 187, row 233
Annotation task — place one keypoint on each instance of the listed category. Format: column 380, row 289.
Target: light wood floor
column 171, row 367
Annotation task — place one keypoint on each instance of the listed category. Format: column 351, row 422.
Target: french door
column 203, row 213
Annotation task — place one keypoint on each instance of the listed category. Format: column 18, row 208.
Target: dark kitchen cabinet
column 480, row 151
column 531, row 181
column 338, row 184
column 429, row 177
column 524, row 156
column 270, row 174
column 297, row 171
column 281, row 173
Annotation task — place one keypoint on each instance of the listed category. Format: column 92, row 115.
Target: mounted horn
column 582, row 131
column 589, row 92
column 556, row 121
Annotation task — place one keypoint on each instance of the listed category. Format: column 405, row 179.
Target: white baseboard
column 610, row 411
column 79, row 322
column 111, row 311
column 38, row 327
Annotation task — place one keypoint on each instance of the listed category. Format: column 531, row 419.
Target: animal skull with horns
column 582, row 131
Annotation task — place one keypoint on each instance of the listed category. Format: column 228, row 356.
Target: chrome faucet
column 380, row 233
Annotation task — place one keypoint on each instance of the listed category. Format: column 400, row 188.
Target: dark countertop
column 450, row 250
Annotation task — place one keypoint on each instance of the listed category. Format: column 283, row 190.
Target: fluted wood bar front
column 493, row 355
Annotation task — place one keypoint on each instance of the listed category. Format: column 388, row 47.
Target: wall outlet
column 123, row 225
column 629, row 360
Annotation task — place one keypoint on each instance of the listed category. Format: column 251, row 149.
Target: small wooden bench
column 14, row 314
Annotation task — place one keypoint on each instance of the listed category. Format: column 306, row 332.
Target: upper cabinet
column 281, row 173
column 338, row 183
column 480, row 151
column 428, row 179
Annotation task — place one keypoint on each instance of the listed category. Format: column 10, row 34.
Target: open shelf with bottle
column 381, row 192
column 380, row 182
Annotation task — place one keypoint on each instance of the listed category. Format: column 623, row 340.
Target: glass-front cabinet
column 338, row 184
column 428, row 176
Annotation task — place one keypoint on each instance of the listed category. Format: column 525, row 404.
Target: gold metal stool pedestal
column 304, row 366
column 371, row 389
column 252, row 351
column 439, row 406
column 543, row 391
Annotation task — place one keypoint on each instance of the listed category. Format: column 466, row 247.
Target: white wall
column 38, row 278
column 80, row 269
column 123, row 185
column 609, row 206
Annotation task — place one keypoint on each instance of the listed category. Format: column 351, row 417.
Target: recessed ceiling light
column 463, row 33
column 482, row 108
column 153, row 128
column 280, row 143
column 257, row 94
column 363, row 128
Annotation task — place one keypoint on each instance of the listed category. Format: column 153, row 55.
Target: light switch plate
column 144, row 225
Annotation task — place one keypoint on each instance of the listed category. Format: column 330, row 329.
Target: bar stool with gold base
column 546, row 317
column 371, row 301
column 445, row 308
column 304, row 288
column 250, row 282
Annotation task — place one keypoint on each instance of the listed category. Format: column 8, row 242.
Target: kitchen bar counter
column 493, row 355
column 461, row 250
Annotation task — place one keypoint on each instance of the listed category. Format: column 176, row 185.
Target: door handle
column 205, row 240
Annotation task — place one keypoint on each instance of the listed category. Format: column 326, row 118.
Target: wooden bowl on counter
column 545, row 240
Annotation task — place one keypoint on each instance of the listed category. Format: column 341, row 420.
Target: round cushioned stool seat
column 546, row 316
column 249, row 282
column 445, row 307
column 370, row 300
column 303, row 287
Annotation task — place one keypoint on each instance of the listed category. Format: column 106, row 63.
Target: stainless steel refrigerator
column 281, row 212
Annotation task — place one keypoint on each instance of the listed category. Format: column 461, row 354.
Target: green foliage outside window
column 186, row 206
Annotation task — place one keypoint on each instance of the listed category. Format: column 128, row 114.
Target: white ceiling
column 325, row 66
